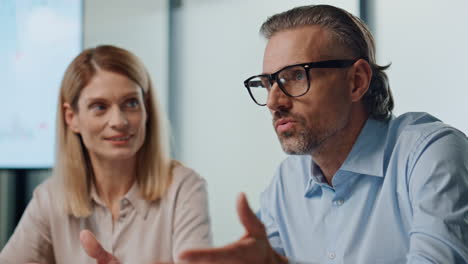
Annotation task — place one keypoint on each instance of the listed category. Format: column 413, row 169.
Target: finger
column 233, row 252
column 249, row 220
column 94, row 249
column 208, row 255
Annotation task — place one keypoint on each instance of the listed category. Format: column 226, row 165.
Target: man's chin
column 296, row 145
column 291, row 151
column 290, row 145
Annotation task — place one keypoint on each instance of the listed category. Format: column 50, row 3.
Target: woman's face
column 111, row 117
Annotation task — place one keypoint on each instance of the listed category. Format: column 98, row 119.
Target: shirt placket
column 107, row 228
column 335, row 198
column 120, row 223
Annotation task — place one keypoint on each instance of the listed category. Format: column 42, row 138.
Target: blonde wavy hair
column 73, row 166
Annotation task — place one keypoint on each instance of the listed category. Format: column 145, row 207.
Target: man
column 360, row 186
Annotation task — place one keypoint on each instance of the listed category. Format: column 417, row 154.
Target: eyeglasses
column 293, row 80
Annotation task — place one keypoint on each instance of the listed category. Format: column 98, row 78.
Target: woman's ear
column 70, row 118
column 362, row 75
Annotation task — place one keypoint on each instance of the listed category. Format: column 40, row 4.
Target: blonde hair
column 73, row 165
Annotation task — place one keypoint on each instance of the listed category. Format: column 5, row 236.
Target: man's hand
column 253, row 247
column 95, row 250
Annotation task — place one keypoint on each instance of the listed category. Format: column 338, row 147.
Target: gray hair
column 350, row 32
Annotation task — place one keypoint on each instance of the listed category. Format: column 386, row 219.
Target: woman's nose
column 118, row 119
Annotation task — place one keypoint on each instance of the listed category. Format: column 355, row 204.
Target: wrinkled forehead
column 299, row 45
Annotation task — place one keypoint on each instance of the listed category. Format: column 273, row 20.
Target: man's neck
column 332, row 153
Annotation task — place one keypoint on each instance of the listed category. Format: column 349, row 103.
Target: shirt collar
column 366, row 156
column 133, row 196
column 316, row 179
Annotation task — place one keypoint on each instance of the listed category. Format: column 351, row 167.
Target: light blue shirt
column 401, row 196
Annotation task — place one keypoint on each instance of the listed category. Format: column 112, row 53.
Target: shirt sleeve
column 438, row 188
column 192, row 225
column 270, row 225
column 31, row 240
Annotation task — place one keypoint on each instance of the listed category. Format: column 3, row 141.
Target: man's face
column 304, row 123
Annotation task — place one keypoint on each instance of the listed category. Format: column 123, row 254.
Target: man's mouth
column 284, row 124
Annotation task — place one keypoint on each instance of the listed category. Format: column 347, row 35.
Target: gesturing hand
column 95, row 250
column 253, row 247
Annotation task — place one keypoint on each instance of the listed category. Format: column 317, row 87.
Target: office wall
column 426, row 42
column 223, row 135
column 139, row 26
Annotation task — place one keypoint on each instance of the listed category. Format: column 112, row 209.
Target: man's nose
column 277, row 99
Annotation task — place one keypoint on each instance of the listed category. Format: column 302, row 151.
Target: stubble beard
column 299, row 141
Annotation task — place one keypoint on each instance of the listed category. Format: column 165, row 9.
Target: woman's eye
column 133, row 103
column 98, row 107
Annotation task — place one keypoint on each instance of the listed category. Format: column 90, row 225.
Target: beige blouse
column 144, row 233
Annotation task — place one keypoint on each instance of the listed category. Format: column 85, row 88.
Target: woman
column 113, row 175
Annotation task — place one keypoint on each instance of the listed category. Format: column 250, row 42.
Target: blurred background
column 198, row 53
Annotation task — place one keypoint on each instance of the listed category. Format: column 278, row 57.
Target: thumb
column 95, row 250
column 248, row 218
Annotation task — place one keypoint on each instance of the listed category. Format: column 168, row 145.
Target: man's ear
column 362, row 75
column 70, row 118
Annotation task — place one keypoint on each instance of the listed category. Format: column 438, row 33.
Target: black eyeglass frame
column 272, row 78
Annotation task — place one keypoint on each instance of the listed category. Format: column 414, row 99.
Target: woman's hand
column 94, row 249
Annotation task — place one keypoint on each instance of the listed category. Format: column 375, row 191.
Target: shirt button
column 123, row 203
column 338, row 202
column 331, row 255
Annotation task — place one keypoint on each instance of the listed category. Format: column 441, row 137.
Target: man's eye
column 256, row 84
column 299, row 76
column 292, row 75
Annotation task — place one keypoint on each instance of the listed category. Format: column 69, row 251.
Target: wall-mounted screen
column 38, row 39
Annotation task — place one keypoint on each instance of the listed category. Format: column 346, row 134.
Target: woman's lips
column 119, row 140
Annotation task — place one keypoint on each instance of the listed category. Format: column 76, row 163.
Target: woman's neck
column 113, row 179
